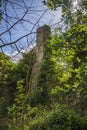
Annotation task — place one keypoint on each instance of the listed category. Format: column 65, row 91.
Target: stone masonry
column 42, row 35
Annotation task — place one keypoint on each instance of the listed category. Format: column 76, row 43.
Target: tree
column 18, row 111
column 77, row 40
column 69, row 54
column 7, row 82
column 71, row 13
column 18, row 25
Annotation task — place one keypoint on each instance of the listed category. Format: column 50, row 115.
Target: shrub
column 60, row 120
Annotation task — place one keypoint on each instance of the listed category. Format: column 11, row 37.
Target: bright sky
column 30, row 22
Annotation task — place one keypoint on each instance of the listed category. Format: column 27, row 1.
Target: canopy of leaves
column 70, row 11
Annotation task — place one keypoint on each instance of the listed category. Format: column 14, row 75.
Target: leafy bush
column 77, row 122
column 60, row 120
column 3, row 105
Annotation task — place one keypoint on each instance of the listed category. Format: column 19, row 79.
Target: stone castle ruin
column 42, row 35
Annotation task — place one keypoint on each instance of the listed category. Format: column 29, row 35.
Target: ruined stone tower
column 42, row 35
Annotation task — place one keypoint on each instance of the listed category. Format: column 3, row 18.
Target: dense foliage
column 72, row 10
column 60, row 119
column 59, row 100
column 62, row 81
column 7, row 83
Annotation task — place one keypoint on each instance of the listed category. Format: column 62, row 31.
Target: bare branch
column 14, row 24
column 10, row 43
column 20, row 18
